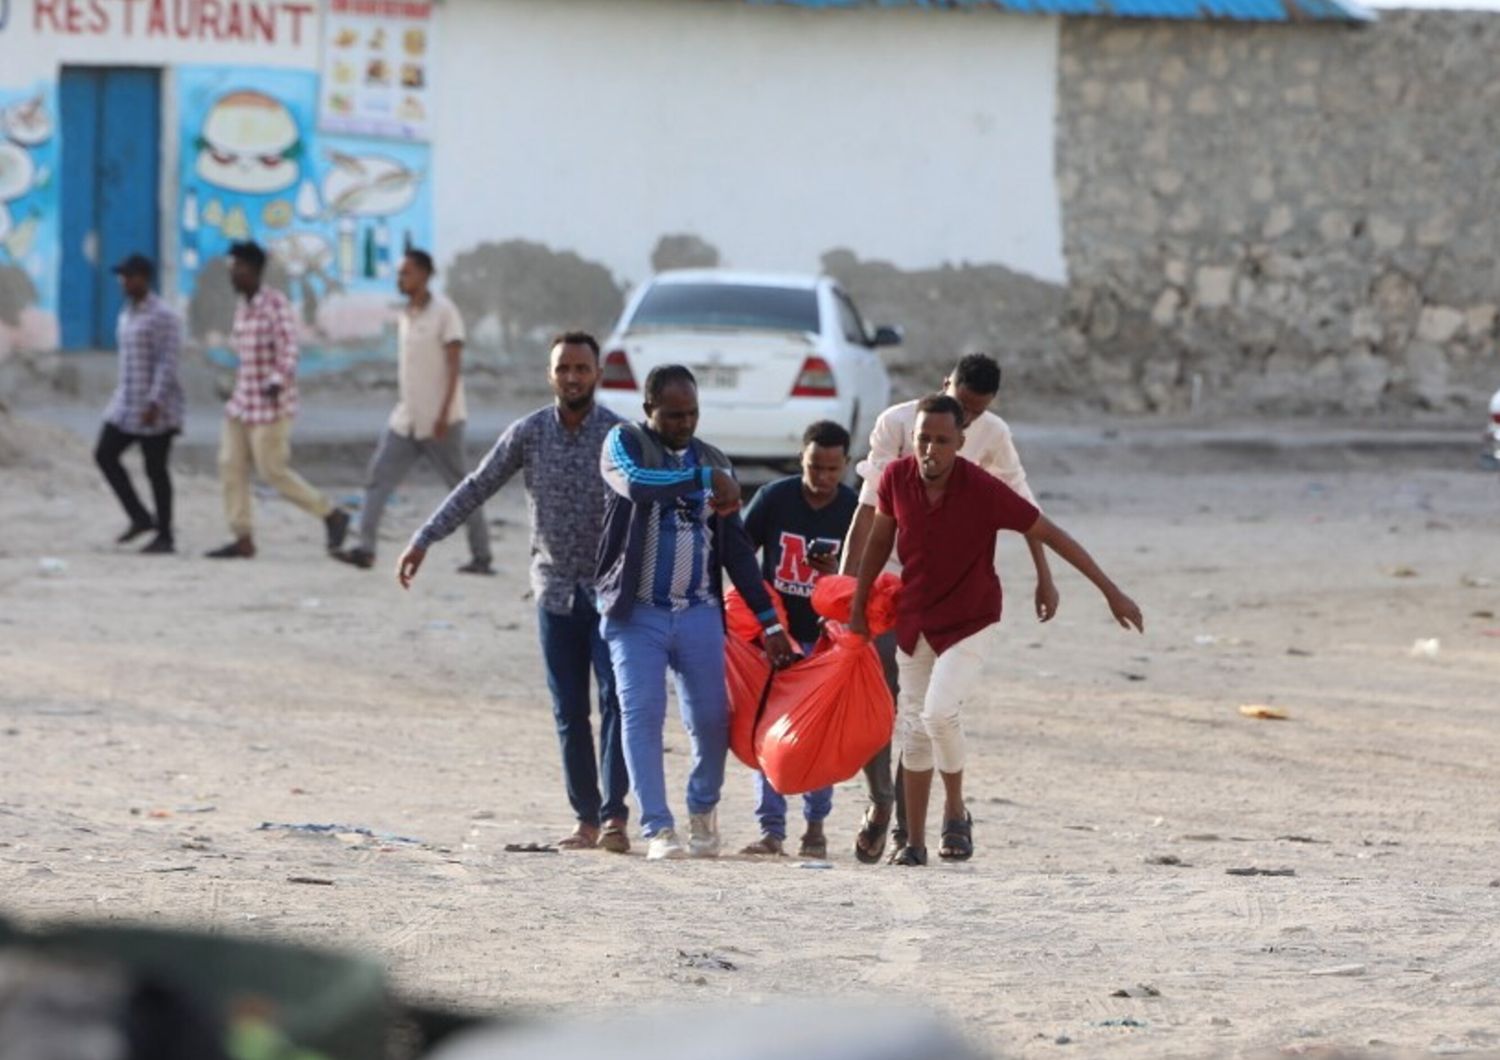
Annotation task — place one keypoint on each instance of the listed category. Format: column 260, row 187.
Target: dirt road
column 154, row 713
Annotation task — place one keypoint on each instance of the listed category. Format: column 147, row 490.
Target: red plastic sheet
column 824, row 718
column 834, row 594
column 742, row 622
column 746, row 671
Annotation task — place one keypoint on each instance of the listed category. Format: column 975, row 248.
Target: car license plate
column 717, row 376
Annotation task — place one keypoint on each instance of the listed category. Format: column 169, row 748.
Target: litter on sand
column 1139, row 990
column 1339, row 969
column 530, row 848
column 1251, row 870
column 1426, row 648
column 1264, row 712
column 336, row 829
column 316, row 881
column 707, row 961
column 1168, row 859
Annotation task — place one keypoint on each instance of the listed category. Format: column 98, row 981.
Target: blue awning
column 1204, row 10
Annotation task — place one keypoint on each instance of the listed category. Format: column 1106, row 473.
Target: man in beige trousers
column 258, row 417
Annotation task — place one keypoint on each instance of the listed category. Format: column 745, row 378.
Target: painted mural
column 29, row 238
column 334, row 212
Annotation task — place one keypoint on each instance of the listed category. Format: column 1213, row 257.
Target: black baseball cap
column 136, row 265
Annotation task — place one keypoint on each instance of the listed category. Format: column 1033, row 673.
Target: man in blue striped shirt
column 670, row 528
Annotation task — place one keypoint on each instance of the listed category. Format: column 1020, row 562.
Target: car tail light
column 617, row 373
column 815, row 380
column 1495, row 418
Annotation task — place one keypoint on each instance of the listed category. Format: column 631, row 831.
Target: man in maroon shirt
column 942, row 514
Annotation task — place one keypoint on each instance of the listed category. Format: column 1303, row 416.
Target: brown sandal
column 870, row 833
column 614, row 839
column 767, row 846
column 579, row 839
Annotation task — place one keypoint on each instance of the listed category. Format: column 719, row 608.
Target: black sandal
column 911, row 856
column 898, row 844
column 958, row 837
column 865, row 850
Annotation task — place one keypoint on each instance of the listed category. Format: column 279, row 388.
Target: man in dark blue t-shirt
column 798, row 523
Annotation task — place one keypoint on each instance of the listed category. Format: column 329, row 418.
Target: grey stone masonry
column 1290, row 218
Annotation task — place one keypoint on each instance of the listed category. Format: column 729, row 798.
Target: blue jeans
column 643, row 647
column 770, row 804
column 770, row 808
column 571, row 646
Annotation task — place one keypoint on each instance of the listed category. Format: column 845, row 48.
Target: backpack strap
column 652, row 453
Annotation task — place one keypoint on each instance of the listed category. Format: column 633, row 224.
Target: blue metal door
column 111, row 175
column 79, row 102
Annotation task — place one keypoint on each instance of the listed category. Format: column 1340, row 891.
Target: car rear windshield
column 722, row 305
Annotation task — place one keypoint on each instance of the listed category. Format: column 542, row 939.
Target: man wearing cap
column 258, row 418
column 147, row 404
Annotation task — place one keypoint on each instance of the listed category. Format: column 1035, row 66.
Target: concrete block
column 1214, row 286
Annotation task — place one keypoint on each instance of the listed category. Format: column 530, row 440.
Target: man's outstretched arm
column 504, row 459
column 1046, row 532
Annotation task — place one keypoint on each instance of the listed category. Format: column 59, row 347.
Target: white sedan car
column 772, row 354
column 1492, row 432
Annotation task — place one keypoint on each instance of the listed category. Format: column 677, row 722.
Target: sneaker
column 240, row 548
column 665, row 846
column 336, row 526
column 477, row 566
column 161, row 545
column 703, row 834
column 133, row 531
column 355, row 557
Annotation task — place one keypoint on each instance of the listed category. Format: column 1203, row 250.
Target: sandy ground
column 154, row 712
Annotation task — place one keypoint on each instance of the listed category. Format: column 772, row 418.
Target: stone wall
column 1282, row 218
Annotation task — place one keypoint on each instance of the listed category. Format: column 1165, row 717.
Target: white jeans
column 933, row 688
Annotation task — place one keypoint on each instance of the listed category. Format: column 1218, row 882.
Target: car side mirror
column 886, row 335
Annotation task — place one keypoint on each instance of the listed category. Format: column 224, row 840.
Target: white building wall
column 774, row 134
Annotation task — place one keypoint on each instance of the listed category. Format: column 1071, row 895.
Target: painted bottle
column 308, row 206
column 190, row 229
column 371, row 267
column 346, row 248
column 383, row 248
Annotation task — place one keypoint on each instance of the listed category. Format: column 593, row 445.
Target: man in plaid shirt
column 258, row 417
column 146, row 408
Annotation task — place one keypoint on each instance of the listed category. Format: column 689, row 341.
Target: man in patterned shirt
column 146, row 408
column 258, row 418
column 557, row 449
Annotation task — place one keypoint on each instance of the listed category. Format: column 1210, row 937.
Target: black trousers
column 883, row 789
column 155, row 448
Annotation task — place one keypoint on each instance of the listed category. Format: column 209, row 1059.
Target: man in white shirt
column 974, row 382
column 428, row 420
